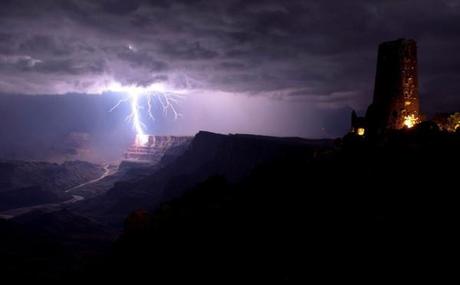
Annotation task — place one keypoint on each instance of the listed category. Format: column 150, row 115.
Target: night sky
column 269, row 67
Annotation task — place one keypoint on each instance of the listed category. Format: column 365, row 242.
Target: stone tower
column 396, row 100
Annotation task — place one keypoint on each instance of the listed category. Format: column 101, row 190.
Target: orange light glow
column 361, row 131
column 410, row 121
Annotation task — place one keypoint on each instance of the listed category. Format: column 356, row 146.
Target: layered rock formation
column 154, row 150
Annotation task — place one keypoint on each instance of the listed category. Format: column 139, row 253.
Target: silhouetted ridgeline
column 232, row 156
column 369, row 212
column 248, row 208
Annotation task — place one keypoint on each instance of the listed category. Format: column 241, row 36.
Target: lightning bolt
column 166, row 97
column 141, row 137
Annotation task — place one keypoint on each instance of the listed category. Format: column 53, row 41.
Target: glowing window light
column 361, row 131
column 410, row 121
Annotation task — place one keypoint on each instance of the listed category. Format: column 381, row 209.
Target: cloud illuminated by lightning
column 165, row 96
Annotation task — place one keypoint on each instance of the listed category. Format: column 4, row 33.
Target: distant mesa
column 154, row 149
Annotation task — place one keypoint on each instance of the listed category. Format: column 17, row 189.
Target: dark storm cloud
column 140, row 59
column 43, row 44
column 120, row 7
column 67, row 66
column 188, row 51
column 323, row 51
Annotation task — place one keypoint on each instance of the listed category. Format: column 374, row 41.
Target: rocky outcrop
column 208, row 154
column 157, row 147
